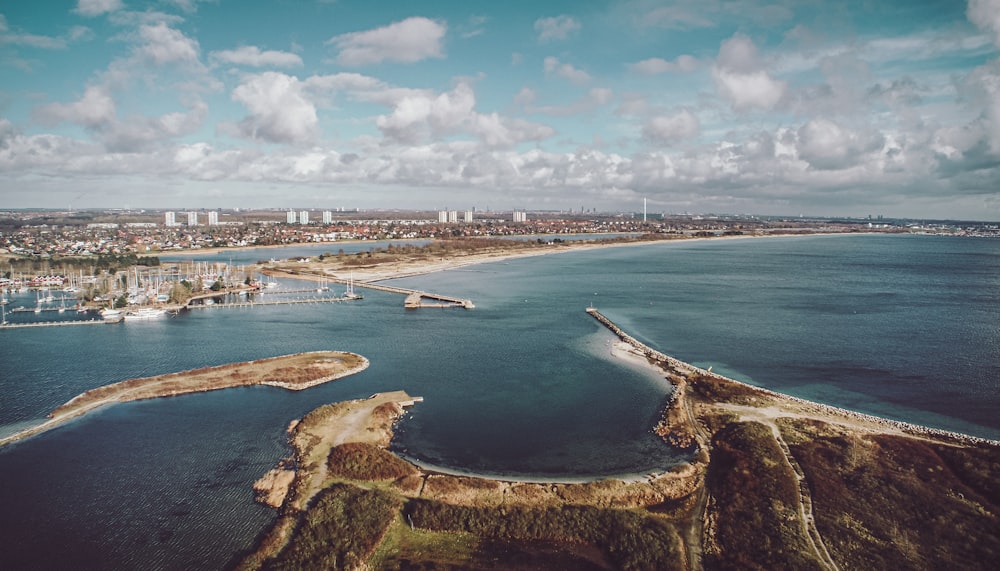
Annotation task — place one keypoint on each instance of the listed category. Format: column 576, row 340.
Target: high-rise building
column 327, row 217
column 468, row 216
column 213, row 218
column 290, row 217
column 442, row 215
column 520, row 216
column 452, row 216
column 192, row 218
column 304, row 217
column 169, row 219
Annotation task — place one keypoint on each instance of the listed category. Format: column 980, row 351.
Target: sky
column 815, row 108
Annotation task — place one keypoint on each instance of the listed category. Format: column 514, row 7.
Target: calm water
column 901, row 326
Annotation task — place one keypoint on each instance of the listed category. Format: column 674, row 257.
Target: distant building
column 442, row 215
column 213, row 218
column 327, row 217
column 452, row 216
column 169, row 219
column 468, row 216
column 520, row 216
column 290, row 217
column 304, row 217
column 192, row 218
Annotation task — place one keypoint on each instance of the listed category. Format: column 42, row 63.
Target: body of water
column 900, row 326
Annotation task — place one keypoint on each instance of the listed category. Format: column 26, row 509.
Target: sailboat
column 349, row 294
column 110, row 313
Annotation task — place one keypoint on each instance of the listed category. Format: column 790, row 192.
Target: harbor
column 246, row 297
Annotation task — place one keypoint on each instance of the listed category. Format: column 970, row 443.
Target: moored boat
column 144, row 313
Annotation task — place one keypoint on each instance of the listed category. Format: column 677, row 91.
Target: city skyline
column 774, row 108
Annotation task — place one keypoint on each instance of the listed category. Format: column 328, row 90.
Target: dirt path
column 767, row 417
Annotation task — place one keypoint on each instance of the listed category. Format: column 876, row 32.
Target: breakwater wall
column 670, row 364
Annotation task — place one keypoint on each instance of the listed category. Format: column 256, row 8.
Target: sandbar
column 293, row 372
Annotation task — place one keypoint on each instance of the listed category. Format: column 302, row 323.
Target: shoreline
column 205, row 379
column 628, row 345
column 398, row 270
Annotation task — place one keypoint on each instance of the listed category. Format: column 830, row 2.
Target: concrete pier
column 414, row 298
column 56, row 323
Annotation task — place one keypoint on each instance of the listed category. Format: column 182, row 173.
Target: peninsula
column 293, row 372
column 772, row 482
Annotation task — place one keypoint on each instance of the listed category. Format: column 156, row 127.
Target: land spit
column 293, row 372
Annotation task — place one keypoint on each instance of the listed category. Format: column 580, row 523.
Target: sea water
column 522, row 386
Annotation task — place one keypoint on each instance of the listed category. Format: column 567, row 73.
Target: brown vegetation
column 367, row 463
column 774, row 483
column 755, row 503
column 290, row 371
column 295, row 372
column 885, row 501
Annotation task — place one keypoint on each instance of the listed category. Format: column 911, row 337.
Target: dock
column 251, row 303
column 57, row 323
column 414, row 298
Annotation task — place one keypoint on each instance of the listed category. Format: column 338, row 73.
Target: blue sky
column 788, row 107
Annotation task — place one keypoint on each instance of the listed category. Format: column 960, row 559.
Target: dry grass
column 290, row 371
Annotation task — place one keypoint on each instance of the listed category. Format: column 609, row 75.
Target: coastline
column 752, row 474
column 433, row 266
column 637, row 352
column 248, row 373
column 397, row 270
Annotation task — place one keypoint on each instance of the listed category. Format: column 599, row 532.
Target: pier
column 57, row 323
column 414, row 298
column 250, row 303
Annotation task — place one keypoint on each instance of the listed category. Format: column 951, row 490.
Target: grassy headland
column 774, row 483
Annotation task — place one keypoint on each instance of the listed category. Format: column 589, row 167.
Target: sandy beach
column 408, row 268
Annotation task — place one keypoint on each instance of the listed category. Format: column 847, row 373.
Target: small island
column 293, row 372
column 773, row 482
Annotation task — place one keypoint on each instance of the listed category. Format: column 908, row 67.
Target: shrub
column 340, row 530
column 367, row 462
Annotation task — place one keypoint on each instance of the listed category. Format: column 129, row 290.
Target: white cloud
column 344, row 82
column 556, row 28
column 254, row 57
column 675, row 18
column 136, row 133
column 741, row 78
column 985, row 14
column 826, row 145
column 95, row 109
column 187, row 5
column 593, row 99
column 553, row 67
column 279, row 110
column 12, row 38
column 657, row 66
column 408, row 41
column 418, row 117
column 91, row 8
column 163, row 44
column 526, row 96
column 669, row 129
